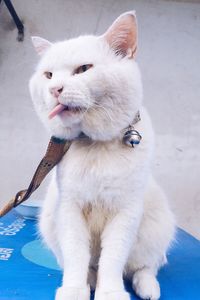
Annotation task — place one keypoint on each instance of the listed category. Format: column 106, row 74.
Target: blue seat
column 28, row 271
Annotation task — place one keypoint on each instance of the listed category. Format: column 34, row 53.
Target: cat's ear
column 40, row 44
column 122, row 35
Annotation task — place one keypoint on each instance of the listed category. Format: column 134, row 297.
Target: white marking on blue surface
column 5, row 253
column 13, row 228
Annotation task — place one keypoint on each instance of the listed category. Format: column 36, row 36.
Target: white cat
column 103, row 212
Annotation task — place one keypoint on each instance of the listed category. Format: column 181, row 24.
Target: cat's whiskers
column 106, row 111
column 101, row 113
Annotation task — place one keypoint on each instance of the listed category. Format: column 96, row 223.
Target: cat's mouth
column 67, row 109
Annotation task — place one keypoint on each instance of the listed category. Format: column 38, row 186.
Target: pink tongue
column 58, row 109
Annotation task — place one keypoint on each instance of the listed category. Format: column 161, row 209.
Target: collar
column 137, row 118
column 130, row 136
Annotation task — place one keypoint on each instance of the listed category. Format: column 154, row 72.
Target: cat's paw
column 69, row 293
column 146, row 287
column 118, row 295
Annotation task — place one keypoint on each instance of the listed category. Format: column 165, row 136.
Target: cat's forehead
column 74, row 52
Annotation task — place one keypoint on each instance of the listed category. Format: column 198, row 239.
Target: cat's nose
column 56, row 91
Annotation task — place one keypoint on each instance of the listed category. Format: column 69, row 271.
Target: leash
column 54, row 153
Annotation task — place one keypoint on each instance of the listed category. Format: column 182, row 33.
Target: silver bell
column 132, row 138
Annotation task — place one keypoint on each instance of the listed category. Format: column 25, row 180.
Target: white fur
column 103, row 211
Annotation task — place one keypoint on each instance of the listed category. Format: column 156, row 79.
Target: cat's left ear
column 122, row 35
column 40, row 44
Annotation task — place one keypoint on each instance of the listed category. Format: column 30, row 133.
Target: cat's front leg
column 47, row 220
column 73, row 240
column 117, row 239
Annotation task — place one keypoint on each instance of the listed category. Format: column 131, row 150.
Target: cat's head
column 90, row 83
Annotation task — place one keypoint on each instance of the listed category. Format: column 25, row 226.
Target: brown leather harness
column 55, row 151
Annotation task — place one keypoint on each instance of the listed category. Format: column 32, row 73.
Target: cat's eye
column 83, row 68
column 48, row 75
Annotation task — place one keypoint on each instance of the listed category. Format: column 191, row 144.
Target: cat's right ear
column 122, row 35
column 40, row 44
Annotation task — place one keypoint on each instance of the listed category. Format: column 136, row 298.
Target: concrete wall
column 169, row 57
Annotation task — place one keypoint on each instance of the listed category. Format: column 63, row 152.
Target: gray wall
column 169, row 57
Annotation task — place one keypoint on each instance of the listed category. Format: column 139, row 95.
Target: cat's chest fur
column 92, row 172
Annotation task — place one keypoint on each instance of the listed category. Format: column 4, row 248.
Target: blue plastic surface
column 28, row 271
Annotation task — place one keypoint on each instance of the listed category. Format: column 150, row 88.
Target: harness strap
column 55, row 151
